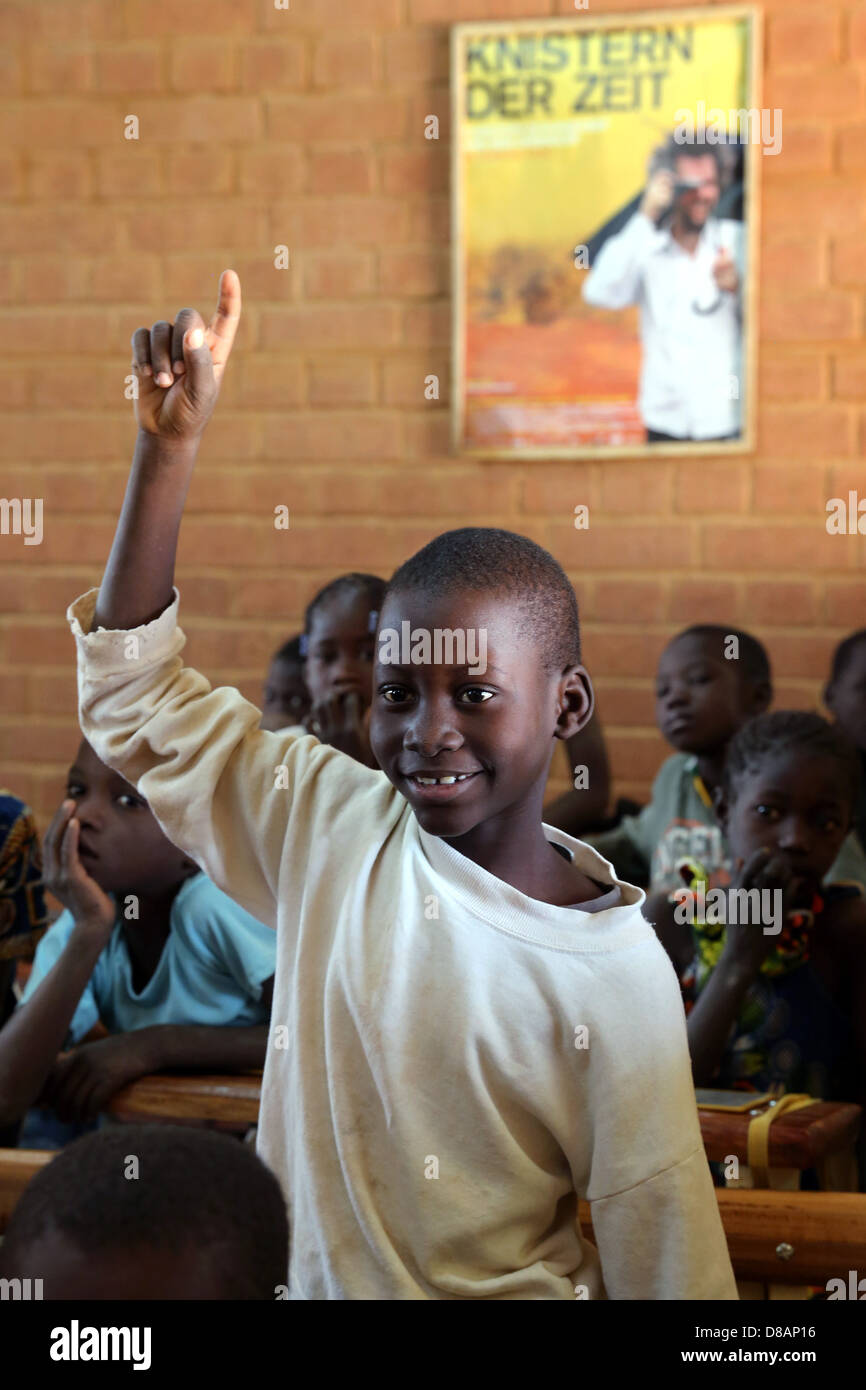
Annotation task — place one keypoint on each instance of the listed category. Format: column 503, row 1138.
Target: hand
column 343, row 720
column 746, row 943
column 658, row 194
column 65, row 876
column 725, row 272
column 179, row 366
column 81, row 1082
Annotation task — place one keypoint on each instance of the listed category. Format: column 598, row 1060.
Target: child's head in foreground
column 120, row 842
column 845, row 696
column 790, row 784
column 710, row 680
column 464, row 745
column 151, row 1212
column 286, row 699
column 339, row 635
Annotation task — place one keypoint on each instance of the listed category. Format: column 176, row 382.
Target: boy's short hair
column 844, row 653
column 753, row 663
column 484, row 559
column 790, row 730
column 194, row 1188
column 369, row 584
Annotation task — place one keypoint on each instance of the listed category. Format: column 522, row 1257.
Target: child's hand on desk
column 66, row 877
column 179, row 366
column 747, row 945
column 82, row 1082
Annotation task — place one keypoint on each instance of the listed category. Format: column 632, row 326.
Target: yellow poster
column 603, row 195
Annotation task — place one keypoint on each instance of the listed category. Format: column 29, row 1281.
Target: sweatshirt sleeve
column 615, row 280
column 223, row 790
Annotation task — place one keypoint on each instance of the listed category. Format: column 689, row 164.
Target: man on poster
column 683, row 267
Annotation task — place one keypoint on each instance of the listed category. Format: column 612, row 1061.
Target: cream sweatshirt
column 451, row 1063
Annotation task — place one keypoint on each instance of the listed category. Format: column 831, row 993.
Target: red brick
column 636, row 755
column 812, row 314
column 128, row 172
column 60, row 176
column 555, row 490
column 410, row 272
column 383, row 116
column 845, row 604
column 341, row 171
column 60, row 68
column 405, row 382
column 286, row 595
column 335, row 15
column 801, row 653
column 623, row 705
column 802, row 38
column 851, row 147
column 199, row 119
column 848, row 261
column 153, row 19
column 163, row 227
column 774, row 547
column 453, row 11
column 421, row 170
column 203, row 65
column 713, row 600
column 831, row 204
column 11, row 176
column 770, row 602
column 345, row 61
column 427, row 325
column 342, row 383
column 69, row 124
column 40, row 741
column 51, row 437
column 333, row 435
column 277, row 168
column 338, row 274
column 712, row 486
column 857, row 35
column 804, row 149
column 849, row 378
column 791, row 378
column 201, row 171
column 828, row 92
column 789, row 488
column 416, row 56
column 636, row 488
column 790, row 259
column 624, row 546
column 627, row 601
column 79, row 229
column 318, row 327
column 265, row 382
column 272, row 65
column 127, row 68
column 41, row 331
column 806, row 431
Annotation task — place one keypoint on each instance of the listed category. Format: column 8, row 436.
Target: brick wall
column 261, row 127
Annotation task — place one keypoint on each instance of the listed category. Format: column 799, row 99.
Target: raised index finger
column 221, row 330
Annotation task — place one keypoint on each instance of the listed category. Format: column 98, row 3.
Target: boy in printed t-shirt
column 481, row 1025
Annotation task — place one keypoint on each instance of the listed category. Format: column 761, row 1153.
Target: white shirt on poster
column 691, row 380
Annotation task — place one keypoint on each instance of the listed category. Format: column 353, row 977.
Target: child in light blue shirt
column 177, row 973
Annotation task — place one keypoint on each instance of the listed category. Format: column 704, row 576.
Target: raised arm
column 178, row 369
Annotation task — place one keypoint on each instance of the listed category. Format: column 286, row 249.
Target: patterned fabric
column 23, row 914
column 790, row 1033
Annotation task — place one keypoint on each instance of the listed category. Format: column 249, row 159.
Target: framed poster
column 604, row 233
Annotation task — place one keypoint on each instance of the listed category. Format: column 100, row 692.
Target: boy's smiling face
column 494, row 732
column 120, row 844
column 701, row 697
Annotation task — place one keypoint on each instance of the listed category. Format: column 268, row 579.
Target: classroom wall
column 305, row 127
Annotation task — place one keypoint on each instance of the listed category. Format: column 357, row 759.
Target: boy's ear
column 576, row 702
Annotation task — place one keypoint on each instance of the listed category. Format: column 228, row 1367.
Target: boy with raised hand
column 474, row 1025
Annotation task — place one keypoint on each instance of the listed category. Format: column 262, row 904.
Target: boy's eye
column 767, row 812
column 829, row 822
column 475, row 695
column 74, row 789
column 394, row 694
column 128, row 801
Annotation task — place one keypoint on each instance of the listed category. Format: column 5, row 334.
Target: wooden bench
column 228, row 1103
column 785, row 1237
column 801, row 1139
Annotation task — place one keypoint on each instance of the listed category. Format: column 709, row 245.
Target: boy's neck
column 515, row 849
column 710, row 769
column 146, row 935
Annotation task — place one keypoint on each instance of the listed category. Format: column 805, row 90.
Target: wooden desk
column 229, row 1103
column 799, row 1139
